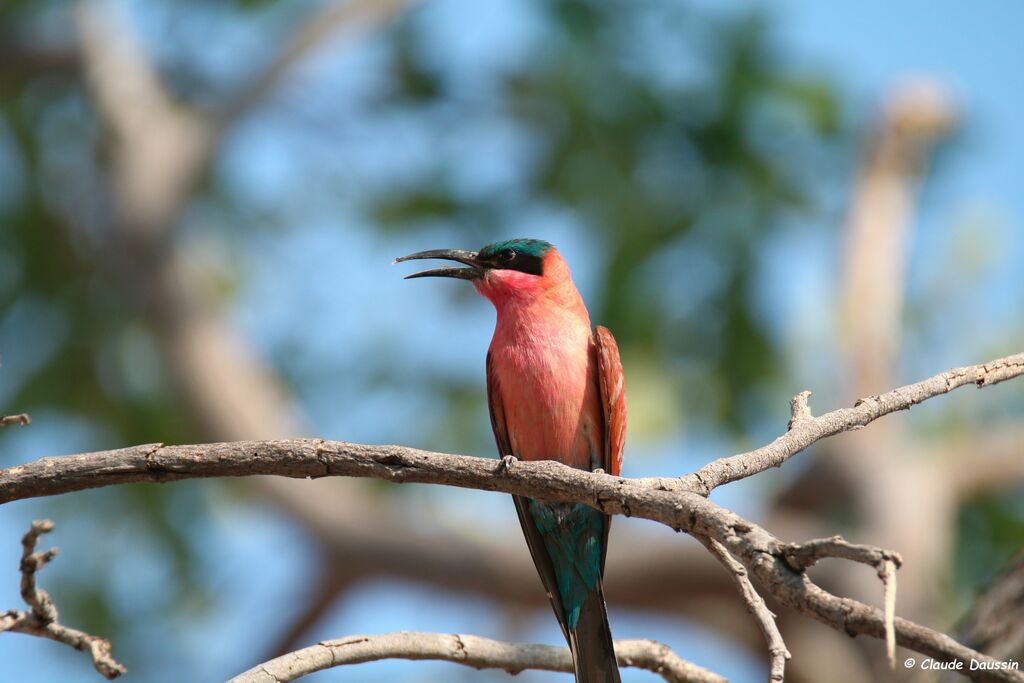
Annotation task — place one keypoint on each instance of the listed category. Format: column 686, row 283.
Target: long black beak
column 474, row 271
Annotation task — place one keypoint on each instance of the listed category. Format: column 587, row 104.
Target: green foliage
column 674, row 140
column 76, row 318
column 990, row 530
column 650, row 166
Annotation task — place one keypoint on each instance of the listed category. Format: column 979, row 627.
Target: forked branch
column 804, row 429
column 775, row 567
column 777, row 651
column 41, row 617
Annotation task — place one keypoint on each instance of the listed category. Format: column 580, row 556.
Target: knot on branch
column 799, row 410
column 506, row 464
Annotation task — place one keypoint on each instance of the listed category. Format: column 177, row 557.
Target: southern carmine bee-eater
column 555, row 392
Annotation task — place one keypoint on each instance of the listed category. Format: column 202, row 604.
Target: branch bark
column 41, row 617
column 474, row 651
column 311, row 458
column 763, row 555
column 21, row 419
column 777, row 567
column 805, row 430
column 777, row 651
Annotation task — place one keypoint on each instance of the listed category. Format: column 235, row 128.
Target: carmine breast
column 547, row 374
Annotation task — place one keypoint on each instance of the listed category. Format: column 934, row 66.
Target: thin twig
column 800, row 556
column 31, row 562
column 806, row 430
column 41, row 617
column 756, row 606
column 474, row 651
column 887, row 573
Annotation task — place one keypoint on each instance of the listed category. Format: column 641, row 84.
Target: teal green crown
column 527, row 247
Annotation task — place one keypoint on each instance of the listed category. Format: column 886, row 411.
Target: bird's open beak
column 474, row 270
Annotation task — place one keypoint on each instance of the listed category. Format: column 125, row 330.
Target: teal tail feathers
column 593, row 653
column 567, row 541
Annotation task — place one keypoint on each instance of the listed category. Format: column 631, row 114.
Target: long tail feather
column 593, row 653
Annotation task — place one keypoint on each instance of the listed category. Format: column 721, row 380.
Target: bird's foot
column 506, row 463
column 599, row 470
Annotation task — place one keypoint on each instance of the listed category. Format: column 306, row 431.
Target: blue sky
column 973, row 199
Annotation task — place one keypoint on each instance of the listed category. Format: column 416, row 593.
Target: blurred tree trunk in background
column 675, row 146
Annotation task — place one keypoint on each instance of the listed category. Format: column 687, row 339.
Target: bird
column 555, row 391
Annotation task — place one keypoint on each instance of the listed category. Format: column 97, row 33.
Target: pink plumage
column 555, row 392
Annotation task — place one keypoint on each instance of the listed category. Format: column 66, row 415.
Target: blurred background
column 200, row 203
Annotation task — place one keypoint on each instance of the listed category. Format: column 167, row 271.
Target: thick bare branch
column 41, row 617
column 160, row 147
column 315, row 30
column 474, row 651
column 806, row 430
column 916, row 116
column 163, row 146
column 761, row 553
column 318, row 458
column 769, row 562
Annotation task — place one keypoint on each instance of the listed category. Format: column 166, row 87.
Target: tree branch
column 765, row 560
column 777, row 567
column 315, row 30
column 804, row 555
column 41, row 618
column 23, row 419
column 777, row 651
column 159, row 146
column 805, row 429
column 479, row 653
column 761, row 553
column 310, row 458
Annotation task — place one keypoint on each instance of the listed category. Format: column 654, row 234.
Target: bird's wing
column 613, row 402
column 613, row 398
column 533, row 538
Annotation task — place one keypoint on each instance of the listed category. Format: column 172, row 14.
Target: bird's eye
column 507, row 255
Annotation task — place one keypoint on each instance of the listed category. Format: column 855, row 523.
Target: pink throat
column 503, row 287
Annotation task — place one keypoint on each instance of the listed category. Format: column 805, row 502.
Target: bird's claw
column 599, row 470
column 506, row 463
